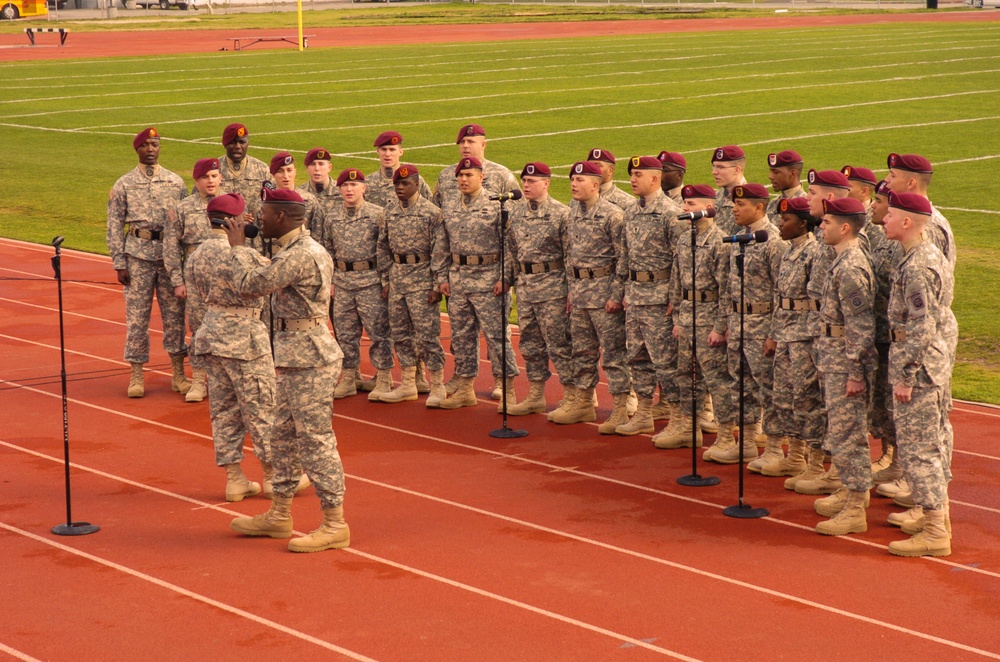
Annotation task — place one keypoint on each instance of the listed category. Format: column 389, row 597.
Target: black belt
column 600, row 272
column 154, row 235
column 834, row 330
column 474, row 260
column 541, row 267
column 700, row 295
column 363, row 265
column 798, row 304
column 410, row 258
column 753, row 307
column 648, row 276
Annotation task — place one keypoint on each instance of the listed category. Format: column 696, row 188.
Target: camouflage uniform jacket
column 351, row 235
column 413, row 228
column 847, row 302
column 884, row 259
column 724, row 217
column 472, row 227
column 537, row 234
column 675, row 195
column 916, row 306
column 594, row 241
column 616, row 196
column 140, row 202
column 939, row 230
column 772, row 206
column 497, row 180
column 817, row 281
column 796, row 269
column 325, row 201
column 649, row 240
column 761, row 266
column 299, row 276
column 711, row 273
column 381, row 190
column 870, row 236
column 222, row 333
column 247, row 181
column 187, row 226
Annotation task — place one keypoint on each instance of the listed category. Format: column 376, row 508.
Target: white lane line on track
column 236, row 611
column 17, row 654
column 563, row 534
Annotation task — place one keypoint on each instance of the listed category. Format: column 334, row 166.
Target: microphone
column 760, row 236
column 503, row 197
column 696, row 215
column 250, row 231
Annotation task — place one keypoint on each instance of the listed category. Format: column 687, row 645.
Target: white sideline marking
column 18, row 654
column 973, row 211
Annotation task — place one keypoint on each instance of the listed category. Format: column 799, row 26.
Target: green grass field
column 837, row 95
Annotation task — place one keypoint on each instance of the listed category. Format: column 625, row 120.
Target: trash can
column 932, row 4
column 112, row 11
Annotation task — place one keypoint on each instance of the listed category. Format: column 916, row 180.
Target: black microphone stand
column 504, row 432
column 70, row 528
column 693, row 479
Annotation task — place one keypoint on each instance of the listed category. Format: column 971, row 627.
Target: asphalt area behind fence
column 562, row 545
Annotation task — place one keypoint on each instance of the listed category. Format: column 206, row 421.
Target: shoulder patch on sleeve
column 916, row 302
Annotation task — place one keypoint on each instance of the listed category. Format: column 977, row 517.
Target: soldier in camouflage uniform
column 381, row 191
column 920, row 366
column 138, row 208
column 307, row 361
column 703, row 294
column 242, row 173
column 477, row 290
column 408, row 240
column 728, row 164
column 606, row 161
column 186, row 228
column 350, row 233
column 672, row 179
column 785, row 175
column 233, row 345
column 320, row 186
column 537, row 239
column 597, row 320
column 846, row 351
column 863, row 183
column 282, row 167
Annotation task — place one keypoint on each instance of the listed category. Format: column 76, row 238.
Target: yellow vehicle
column 11, row 9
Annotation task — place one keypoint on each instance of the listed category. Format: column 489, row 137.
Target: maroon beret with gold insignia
column 350, row 175
column 535, row 169
column 828, row 178
column 911, row 202
column 470, row 130
column 858, row 174
column 585, row 168
column 316, row 154
column 797, row 206
column 788, row 157
column 750, row 192
column 234, row 131
column 143, row 136
column 230, row 204
column 280, row 160
column 468, row 163
column 644, row 163
column 728, row 153
column 598, row 154
column 843, row 207
column 204, row 166
column 698, row 191
column 910, row 163
column 404, row 171
column 389, row 138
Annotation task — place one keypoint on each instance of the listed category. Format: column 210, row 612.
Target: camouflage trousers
column 758, row 376
column 598, row 335
column 880, row 422
column 712, row 375
column 145, row 279
column 354, row 310
column 241, row 401
column 799, row 409
column 649, row 339
column 847, row 431
column 194, row 309
column 950, row 334
column 416, row 329
column 302, row 436
column 470, row 312
column 923, row 451
column 545, row 335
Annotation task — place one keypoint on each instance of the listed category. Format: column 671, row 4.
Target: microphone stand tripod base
column 744, row 511
column 507, row 433
column 694, row 480
column 75, row 529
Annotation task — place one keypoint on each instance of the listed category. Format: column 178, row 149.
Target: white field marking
column 973, row 411
column 45, row 248
column 198, row 597
column 975, row 505
column 17, row 654
column 555, row 532
column 67, row 282
column 66, row 312
column 971, row 211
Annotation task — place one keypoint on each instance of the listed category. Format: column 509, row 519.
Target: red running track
column 563, row 545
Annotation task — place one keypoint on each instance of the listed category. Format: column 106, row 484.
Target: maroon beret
column 316, row 154
column 882, row 189
column 232, row 132
column 797, row 206
column 786, row 158
column 280, row 160
column 204, row 166
column 281, row 196
column 828, row 178
column 598, row 154
column 698, row 191
column 672, row 159
column 585, row 168
column 230, row 204
column 911, row 202
column 470, row 130
column 750, row 192
column 143, row 136
column 843, row 207
column 859, row 175
column 728, row 153
column 350, row 175
column 910, row 163
column 468, row 163
column 535, row 169
column 389, row 138
column 404, row 171
column 644, row 163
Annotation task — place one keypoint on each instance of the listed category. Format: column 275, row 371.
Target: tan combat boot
column 511, row 397
column 773, row 453
column 452, row 385
column 904, row 499
column 423, row 386
column 706, row 419
column 850, row 519
column 826, row 483
column 136, row 383
column 792, row 465
column 892, row 471
column 267, row 485
column 383, row 386
column 911, row 516
column 661, row 410
column 497, row 389
column 675, row 424
column 348, row 384
column 178, row 383
column 814, row 468
column 916, row 520
column 723, row 442
column 533, row 404
column 362, row 384
column 407, row 389
column 678, row 433
column 641, row 422
column 238, row 486
column 732, row 454
column 464, row 395
column 833, row 504
column 437, row 392
column 275, row 523
column 199, row 388
column 570, row 394
column 333, row 533
column 632, row 403
column 933, row 540
column 893, row 488
column 578, row 408
column 619, row 414
column 888, row 457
